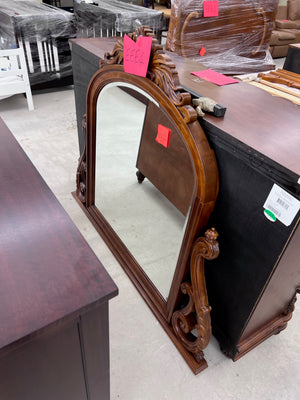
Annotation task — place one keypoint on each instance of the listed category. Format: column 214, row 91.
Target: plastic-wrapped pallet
column 113, row 18
column 235, row 41
column 43, row 31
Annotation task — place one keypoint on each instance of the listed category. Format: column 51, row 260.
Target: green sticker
column 270, row 215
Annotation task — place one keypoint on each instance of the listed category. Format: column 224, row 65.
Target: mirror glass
column 148, row 217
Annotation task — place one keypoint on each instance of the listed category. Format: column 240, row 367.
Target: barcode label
column 283, row 205
column 274, row 211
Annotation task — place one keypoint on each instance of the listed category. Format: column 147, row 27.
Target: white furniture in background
column 43, row 32
column 14, row 75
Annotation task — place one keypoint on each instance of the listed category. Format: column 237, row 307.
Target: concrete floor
column 145, row 365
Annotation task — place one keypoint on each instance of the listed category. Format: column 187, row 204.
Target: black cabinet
column 253, row 281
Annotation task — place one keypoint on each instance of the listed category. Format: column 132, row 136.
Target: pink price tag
column 210, row 9
column 214, row 77
column 136, row 55
column 163, row 135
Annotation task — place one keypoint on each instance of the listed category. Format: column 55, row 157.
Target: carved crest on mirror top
column 185, row 315
column 161, row 71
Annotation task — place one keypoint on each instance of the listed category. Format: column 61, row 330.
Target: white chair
column 14, row 75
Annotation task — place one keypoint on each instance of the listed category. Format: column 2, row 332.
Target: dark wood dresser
column 253, row 283
column 54, row 292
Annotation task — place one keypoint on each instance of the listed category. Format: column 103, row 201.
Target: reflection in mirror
column 149, row 225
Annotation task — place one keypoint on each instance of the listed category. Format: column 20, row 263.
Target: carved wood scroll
column 81, row 170
column 192, row 323
column 161, row 71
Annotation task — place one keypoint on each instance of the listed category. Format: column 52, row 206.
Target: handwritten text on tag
column 137, row 55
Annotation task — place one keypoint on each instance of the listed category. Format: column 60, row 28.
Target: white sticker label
column 284, row 206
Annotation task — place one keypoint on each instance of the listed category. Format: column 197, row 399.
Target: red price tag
column 136, row 55
column 210, row 9
column 202, row 51
column 163, row 135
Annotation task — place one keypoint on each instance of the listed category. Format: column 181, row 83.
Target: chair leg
column 41, row 55
column 29, row 99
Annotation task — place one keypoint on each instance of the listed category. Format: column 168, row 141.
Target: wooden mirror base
column 195, row 315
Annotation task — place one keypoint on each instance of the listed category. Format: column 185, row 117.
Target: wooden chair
column 234, row 42
column 14, row 78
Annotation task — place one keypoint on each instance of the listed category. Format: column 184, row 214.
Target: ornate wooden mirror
column 148, row 181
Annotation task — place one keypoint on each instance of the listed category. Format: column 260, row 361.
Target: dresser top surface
column 48, row 271
column 269, row 125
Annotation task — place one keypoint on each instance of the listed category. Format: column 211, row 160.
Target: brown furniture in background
column 164, row 166
column 54, row 293
column 236, row 41
column 286, row 28
column 282, row 77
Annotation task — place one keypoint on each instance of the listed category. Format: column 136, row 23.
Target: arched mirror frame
column 186, row 308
